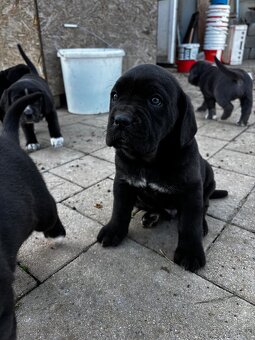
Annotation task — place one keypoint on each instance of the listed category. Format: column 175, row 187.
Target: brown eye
column 156, row 101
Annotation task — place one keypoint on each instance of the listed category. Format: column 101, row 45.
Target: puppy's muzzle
column 28, row 113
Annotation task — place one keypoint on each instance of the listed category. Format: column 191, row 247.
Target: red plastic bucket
column 183, row 66
column 210, row 54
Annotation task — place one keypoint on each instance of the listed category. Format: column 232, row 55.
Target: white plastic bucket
column 188, row 51
column 89, row 74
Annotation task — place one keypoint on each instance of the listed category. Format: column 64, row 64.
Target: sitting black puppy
column 26, row 205
column 42, row 108
column 158, row 166
column 10, row 75
column 222, row 85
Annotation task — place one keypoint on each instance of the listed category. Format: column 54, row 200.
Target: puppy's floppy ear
column 188, row 125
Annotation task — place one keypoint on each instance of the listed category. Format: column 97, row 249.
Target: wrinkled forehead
column 145, row 82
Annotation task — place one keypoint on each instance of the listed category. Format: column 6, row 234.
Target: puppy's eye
column 114, row 96
column 156, row 101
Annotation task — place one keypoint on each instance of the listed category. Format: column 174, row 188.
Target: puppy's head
column 10, row 75
column 197, row 70
column 32, row 113
column 147, row 106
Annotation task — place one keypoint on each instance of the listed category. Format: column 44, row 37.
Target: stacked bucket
column 216, row 31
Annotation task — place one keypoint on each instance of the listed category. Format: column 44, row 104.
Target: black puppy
column 158, row 166
column 42, row 108
column 10, row 75
column 222, row 85
column 26, row 205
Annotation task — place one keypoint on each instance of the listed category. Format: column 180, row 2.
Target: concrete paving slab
column 52, row 157
column 238, row 186
column 220, row 130
column 244, row 143
column 251, row 128
column 99, row 120
column 70, row 118
column 235, row 161
column 85, row 171
column 23, row 282
column 246, row 215
column 60, row 188
column 231, row 262
column 83, row 137
column 62, row 111
column 106, row 153
column 209, row 146
column 129, row 292
column 95, row 202
column 44, row 257
column 200, row 123
column 163, row 238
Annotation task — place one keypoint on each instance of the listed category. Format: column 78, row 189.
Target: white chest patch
column 143, row 184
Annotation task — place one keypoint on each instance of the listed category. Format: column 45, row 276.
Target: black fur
column 26, row 206
column 10, row 75
column 158, row 165
column 222, row 85
column 42, row 108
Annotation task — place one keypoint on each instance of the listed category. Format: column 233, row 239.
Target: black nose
column 28, row 111
column 122, row 120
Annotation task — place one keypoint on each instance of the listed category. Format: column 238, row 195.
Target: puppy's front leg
column 56, row 138
column 31, row 140
column 190, row 253
column 117, row 228
column 210, row 103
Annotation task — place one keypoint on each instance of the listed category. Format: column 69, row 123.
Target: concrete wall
column 130, row 25
column 18, row 23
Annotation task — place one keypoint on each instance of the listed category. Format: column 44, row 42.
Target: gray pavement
column 78, row 290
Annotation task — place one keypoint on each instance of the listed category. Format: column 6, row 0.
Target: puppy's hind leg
column 57, row 230
column 228, row 108
column 246, row 105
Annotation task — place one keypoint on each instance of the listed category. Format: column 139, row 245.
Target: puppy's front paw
column 33, row 147
column 57, row 142
column 191, row 257
column 150, row 220
column 110, row 236
column 241, row 123
column 209, row 116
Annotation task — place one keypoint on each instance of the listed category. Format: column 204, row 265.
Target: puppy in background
column 26, row 205
column 222, row 85
column 33, row 113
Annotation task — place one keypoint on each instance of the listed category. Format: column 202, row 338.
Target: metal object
column 172, row 15
column 71, row 25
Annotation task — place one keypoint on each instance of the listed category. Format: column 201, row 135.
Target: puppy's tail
column 219, row 194
column 12, row 116
column 27, row 60
column 228, row 72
